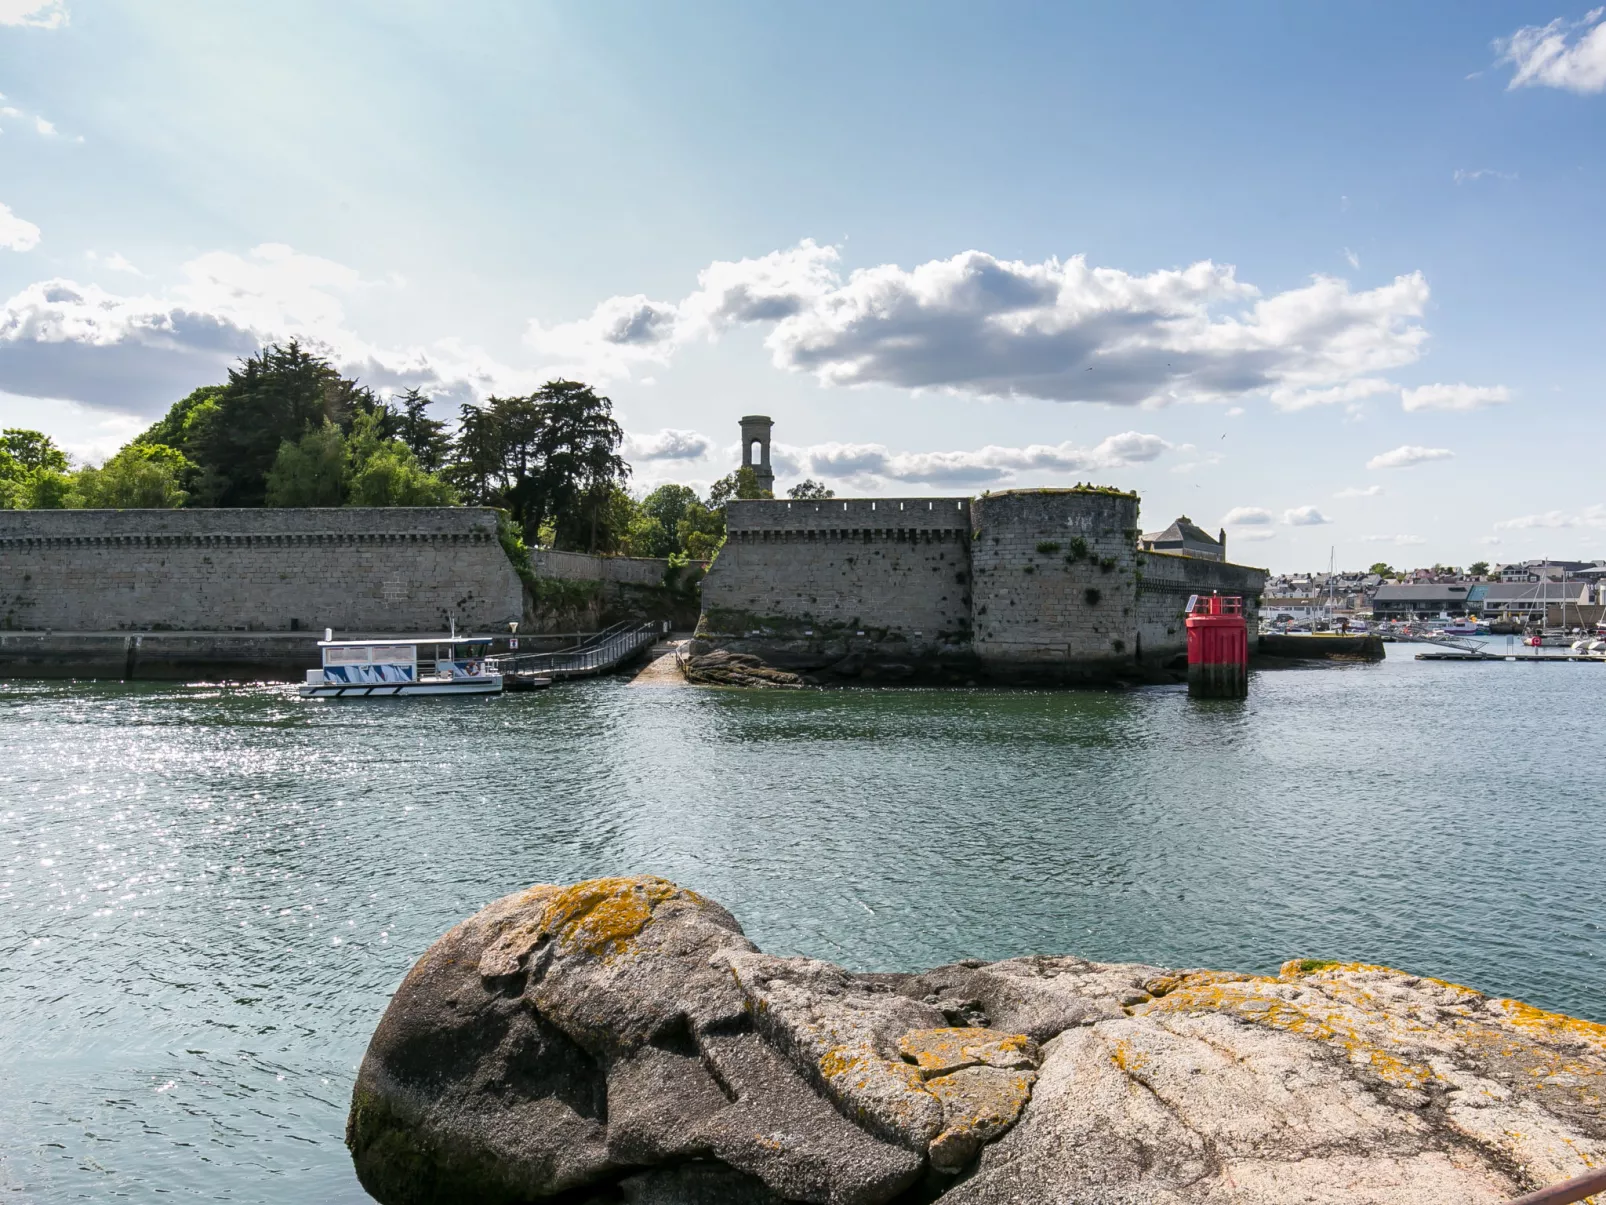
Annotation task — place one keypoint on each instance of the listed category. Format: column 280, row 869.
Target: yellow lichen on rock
column 1164, row 985
column 892, row 1092
column 598, row 917
column 1551, row 1027
column 601, row 917
column 1278, row 1005
column 939, row 1051
column 978, row 1104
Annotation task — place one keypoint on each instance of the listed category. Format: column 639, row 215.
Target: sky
column 1326, row 275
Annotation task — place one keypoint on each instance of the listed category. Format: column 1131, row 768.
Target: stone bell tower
column 756, row 431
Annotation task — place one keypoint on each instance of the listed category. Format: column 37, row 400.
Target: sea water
column 208, row 893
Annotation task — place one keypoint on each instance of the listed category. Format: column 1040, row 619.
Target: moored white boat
column 391, row 668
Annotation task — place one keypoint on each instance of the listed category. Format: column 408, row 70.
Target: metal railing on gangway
column 596, row 654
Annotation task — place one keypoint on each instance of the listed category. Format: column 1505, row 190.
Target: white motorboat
column 390, row 668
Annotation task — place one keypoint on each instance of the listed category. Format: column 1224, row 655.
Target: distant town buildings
column 1534, row 591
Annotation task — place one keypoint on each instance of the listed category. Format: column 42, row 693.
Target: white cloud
column 116, row 262
column 1304, row 516
column 1491, row 541
column 87, row 435
column 1398, row 541
column 1234, row 411
column 1057, row 330
column 1462, row 175
column 41, row 14
column 15, row 233
column 43, row 127
column 136, row 354
column 1454, row 397
column 1245, row 516
column 1349, row 392
column 1552, row 56
column 668, row 444
column 1590, row 516
column 1407, row 455
column 866, row 462
column 1356, row 491
column 1354, row 260
column 1256, row 534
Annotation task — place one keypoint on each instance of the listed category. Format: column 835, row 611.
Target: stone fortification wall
column 832, row 575
column 586, row 567
column 579, row 590
column 1055, row 582
column 1165, row 582
column 1017, row 586
column 353, row 568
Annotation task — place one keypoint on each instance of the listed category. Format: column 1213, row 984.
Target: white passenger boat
column 378, row 669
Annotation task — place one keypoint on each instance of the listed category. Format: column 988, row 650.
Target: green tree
column 665, row 506
column 275, row 397
column 1479, row 568
column 1382, row 569
column 310, row 471
column 646, row 537
column 743, row 483
column 810, row 490
column 599, row 521
column 550, row 459
column 701, row 529
column 393, row 477
column 144, row 476
column 176, row 428
column 425, row 437
column 10, row 482
column 33, row 449
column 33, row 471
column 385, row 472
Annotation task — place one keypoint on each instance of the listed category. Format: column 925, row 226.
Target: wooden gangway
column 598, row 653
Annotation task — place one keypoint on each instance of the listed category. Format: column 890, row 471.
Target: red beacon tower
column 1218, row 647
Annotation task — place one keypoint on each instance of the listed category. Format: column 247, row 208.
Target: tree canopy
column 550, row 459
column 809, row 489
column 287, row 429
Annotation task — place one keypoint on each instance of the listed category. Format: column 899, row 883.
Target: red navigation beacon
column 1218, row 647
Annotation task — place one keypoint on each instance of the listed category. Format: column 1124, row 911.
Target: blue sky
column 1329, row 275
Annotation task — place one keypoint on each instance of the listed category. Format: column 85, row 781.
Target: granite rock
column 620, row 1040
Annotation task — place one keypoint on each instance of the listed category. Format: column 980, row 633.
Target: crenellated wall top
column 346, row 522
column 831, row 514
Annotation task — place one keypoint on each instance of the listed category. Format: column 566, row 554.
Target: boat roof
column 323, row 644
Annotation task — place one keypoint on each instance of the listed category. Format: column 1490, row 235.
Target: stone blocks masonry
column 354, row 569
column 1018, row 586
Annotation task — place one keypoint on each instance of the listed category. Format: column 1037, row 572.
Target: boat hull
column 391, row 690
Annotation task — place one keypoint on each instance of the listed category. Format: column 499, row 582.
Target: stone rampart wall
column 586, row 567
column 1165, row 582
column 895, row 569
column 379, row 569
column 913, row 588
column 1054, row 579
column 756, row 515
column 1019, row 585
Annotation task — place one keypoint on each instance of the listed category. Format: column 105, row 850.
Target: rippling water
column 208, row 893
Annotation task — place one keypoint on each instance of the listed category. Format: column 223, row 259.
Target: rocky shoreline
column 620, row 1040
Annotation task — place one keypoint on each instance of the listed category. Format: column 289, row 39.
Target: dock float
column 1527, row 660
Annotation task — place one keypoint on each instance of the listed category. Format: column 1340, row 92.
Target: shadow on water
column 212, row 890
